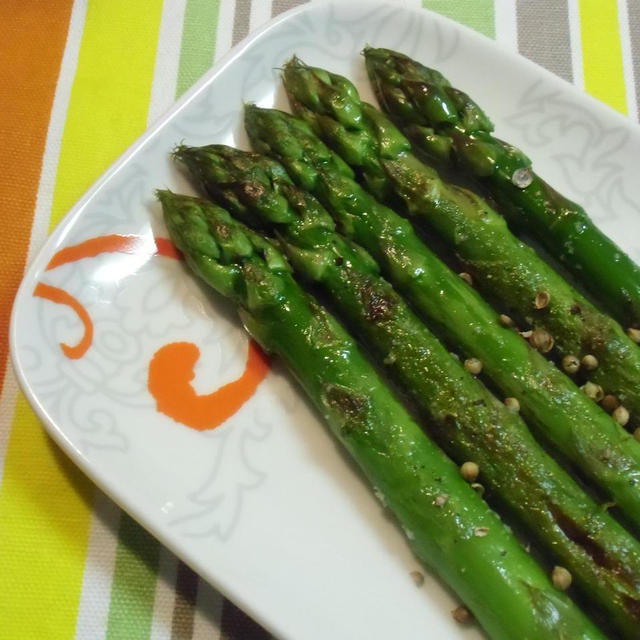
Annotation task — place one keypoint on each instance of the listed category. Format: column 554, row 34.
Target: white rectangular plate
column 265, row 506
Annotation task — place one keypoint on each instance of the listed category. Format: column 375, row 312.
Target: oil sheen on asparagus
column 472, row 425
column 563, row 323
column 458, row 536
column 599, row 448
column 450, row 126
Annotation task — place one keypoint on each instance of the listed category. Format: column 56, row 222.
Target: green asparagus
column 448, row 125
column 467, row 421
column 528, row 290
column 449, row 526
column 550, row 402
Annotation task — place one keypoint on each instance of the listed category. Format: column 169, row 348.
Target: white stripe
column 208, row 614
column 44, row 196
column 224, row 34
column 165, row 72
column 93, row 611
column 576, row 43
column 506, row 23
column 260, row 13
column 627, row 59
column 8, row 399
column 165, row 596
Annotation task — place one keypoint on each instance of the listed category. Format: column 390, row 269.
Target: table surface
column 80, row 81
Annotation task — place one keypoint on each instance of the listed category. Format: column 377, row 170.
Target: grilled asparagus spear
column 525, row 286
column 449, row 526
column 467, row 421
column 550, row 402
column 447, row 124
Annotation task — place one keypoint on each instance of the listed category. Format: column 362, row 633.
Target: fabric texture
column 80, row 80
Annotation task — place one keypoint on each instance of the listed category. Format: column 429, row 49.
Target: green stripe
column 477, row 14
column 134, row 583
column 198, row 41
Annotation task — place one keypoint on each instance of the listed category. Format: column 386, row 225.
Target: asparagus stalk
column 550, row 402
column 450, row 528
column 562, row 321
column 448, row 125
column 467, row 421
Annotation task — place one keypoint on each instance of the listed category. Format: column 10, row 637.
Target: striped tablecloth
column 79, row 81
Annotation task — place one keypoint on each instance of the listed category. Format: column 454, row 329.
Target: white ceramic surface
column 265, row 506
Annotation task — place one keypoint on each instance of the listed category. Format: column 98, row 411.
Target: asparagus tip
column 293, row 62
column 177, row 153
column 163, row 195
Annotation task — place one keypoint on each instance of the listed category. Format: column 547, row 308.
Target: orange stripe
column 31, row 46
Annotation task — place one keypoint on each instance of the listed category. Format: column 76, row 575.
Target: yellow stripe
column 45, row 508
column 44, row 515
column 601, row 52
column 110, row 94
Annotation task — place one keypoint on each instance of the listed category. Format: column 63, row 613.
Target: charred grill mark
column 252, row 190
column 580, row 537
column 352, row 405
column 223, row 231
column 597, row 332
column 574, row 532
column 377, row 304
column 632, row 605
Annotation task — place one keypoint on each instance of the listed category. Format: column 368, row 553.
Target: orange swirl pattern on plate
column 169, row 382
column 171, row 367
